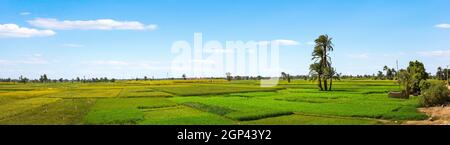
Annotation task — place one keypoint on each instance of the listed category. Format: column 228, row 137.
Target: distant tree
column 286, row 76
column 289, row 78
column 43, row 78
column 184, row 76
column 61, row 80
column 228, row 75
column 390, row 73
column 380, row 75
column 23, row 79
column 145, row 78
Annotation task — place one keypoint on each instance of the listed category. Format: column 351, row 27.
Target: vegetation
column 434, row 95
column 321, row 69
column 203, row 102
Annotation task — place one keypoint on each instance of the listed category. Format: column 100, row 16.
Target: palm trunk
column 331, row 83
column 320, row 82
column 325, row 65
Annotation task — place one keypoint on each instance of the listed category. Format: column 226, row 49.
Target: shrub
column 435, row 94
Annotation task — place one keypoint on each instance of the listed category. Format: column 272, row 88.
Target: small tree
column 184, row 76
column 404, row 79
column 435, row 94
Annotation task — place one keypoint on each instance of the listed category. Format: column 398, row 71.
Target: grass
column 138, row 92
column 209, row 108
column 20, row 106
column 88, row 93
column 122, row 110
column 202, row 89
column 65, row 112
column 203, row 102
column 298, row 119
column 182, row 115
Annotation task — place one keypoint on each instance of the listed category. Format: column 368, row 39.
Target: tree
column 323, row 46
column 418, row 73
column 229, row 77
column 380, row 75
column 315, row 71
column 405, row 79
column 184, row 76
column 390, row 73
column 145, row 78
column 43, row 78
column 23, row 79
column 286, row 76
column 440, row 74
column 332, row 74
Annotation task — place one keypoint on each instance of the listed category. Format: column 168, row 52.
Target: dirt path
column 437, row 116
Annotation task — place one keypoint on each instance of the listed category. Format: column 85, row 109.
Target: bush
column 435, row 94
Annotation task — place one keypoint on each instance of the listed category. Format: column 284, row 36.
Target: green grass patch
column 183, row 115
column 298, row 119
column 209, row 108
column 122, row 110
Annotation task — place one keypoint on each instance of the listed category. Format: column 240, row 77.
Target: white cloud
column 358, row 56
column 286, row 42
column 4, row 62
column 443, row 25
column 99, row 24
column 25, row 13
column 438, row 53
column 310, row 43
column 13, row 30
column 72, row 45
column 34, row 59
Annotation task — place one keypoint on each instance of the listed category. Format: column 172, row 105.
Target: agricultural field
column 205, row 102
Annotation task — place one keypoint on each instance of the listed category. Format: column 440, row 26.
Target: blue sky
column 68, row 38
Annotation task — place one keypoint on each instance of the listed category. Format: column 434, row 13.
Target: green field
column 204, row 102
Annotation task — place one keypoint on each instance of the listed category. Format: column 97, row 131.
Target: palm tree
column 317, row 67
column 332, row 74
column 316, row 73
column 320, row 54
column 325, row 43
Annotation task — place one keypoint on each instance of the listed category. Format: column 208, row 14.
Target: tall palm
column 325, row 44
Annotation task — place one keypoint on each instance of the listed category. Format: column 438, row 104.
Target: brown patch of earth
column 437, row 116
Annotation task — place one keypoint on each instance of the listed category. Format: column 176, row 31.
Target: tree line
column 45, row 79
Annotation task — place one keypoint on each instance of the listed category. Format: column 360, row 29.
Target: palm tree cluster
column 322, row 70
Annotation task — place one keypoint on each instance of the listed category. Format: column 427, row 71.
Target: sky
column 133, row 38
